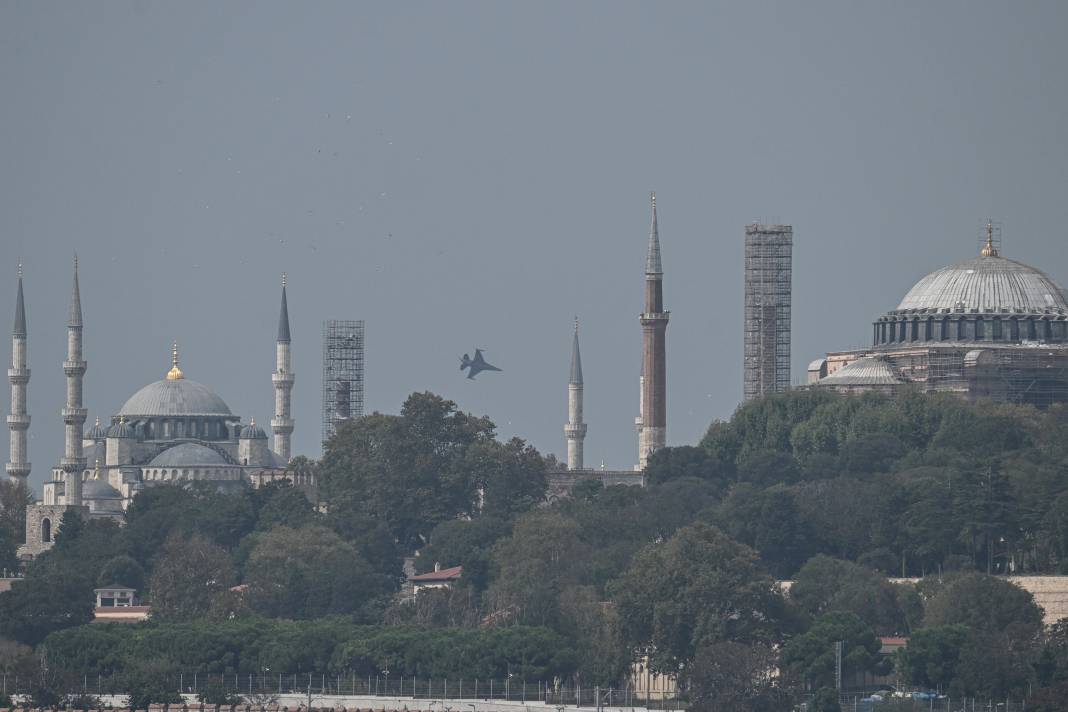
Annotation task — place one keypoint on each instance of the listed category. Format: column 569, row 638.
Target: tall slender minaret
column 73, row 462
column 18, row 375
column 282, row 423
column 575, row 430
column 652, row 432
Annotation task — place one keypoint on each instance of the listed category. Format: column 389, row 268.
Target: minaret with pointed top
column 575, row 430
column 652, row 428
column 283, row 377
column 19, row 376
column 73, row 462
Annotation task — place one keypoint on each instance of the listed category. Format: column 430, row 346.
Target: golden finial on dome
column 175, row 373
column 252, row 423
column 988, row 249
column 96, row 471
column 122, row 420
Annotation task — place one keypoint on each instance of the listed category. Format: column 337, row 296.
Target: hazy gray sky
column 462, row 174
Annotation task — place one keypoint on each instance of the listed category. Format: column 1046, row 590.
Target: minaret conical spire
column 20, row 309
column 576, row 358
column 75, row 317
column 283, row 315
column 652, row 258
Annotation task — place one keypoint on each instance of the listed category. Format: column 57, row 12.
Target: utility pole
column 838, row 665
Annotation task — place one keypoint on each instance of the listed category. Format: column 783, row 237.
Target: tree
column 467, row 543
column 811, row 657
column 190, row 574
column 697, row 588
column 310, row 573
column 672, row 463
column 151, row 681
column 510, row 475
column 281, row 504
column 405, row 470
column 123, row 570
column 824, row 585
column 40, row 604
column 603, row 659
column 931, row 657
column 986, row 604
column 542, row 555
column 735, row 676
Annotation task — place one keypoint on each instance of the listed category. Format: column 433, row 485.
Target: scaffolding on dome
column 343, row 343
column 1035, row 375
column 768, row 298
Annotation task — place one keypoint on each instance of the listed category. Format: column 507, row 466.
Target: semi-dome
column 867, row 371
column 188, row 455
column 989, row 283
column 99, row 489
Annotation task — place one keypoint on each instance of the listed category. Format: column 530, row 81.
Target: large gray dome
column 179, row 396
column 187, row 455
column 989, row 284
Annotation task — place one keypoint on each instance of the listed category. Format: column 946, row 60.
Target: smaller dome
column 187, row 455
column 97, row 432
column 867, row 371
column 99, row 489
column 253, row 432
column 121, row 429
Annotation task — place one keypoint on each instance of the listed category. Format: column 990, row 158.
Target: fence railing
column 315, row 687
column 864, row 703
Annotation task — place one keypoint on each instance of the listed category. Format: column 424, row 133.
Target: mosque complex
column 172, row 430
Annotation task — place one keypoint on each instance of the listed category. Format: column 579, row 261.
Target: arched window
column 46, row 530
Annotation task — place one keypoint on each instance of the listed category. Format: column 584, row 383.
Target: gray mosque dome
column 121, row 429
column 988, row 283
column 253, row 432
column 174, row 395
column 99, row 489
column 187, row 455
column 97, row 432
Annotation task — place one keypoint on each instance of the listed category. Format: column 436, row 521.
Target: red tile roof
column 449, row 574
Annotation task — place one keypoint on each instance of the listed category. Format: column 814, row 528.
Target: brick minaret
column 18, row 375
column 575, row 430
column 73, row 462
column 652, row 430
column 282, row 422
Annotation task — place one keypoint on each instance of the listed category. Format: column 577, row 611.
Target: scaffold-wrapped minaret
column 768, row 296
column 18, row 469
column 73, row 462
column 575, row 430
column 652, row 428
column 283, row 377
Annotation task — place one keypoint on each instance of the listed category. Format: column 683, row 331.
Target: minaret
column 73, row 462
column 282, row 423
column 652, row 432
column 18, row 375
column 575, row 430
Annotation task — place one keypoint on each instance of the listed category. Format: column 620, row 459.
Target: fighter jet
column 476, row 365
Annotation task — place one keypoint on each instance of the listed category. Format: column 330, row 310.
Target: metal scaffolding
column 768, row 300
column 342, row 373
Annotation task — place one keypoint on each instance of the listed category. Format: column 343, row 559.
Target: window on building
column 46, row 530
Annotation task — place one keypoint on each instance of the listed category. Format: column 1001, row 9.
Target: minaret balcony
column 18, row 376
column 654, row 317
column 282, row 425
column 283, row 379
column 74, row 368
column 18, row 422
column 575, row 431
column 74, row 416
column 18, row 469
column 72, row 464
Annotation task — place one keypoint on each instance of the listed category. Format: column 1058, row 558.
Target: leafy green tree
column 825, row 700
column 190, row 574
column 985, row 604
column 310, row 573
column 697, row 588
column 824, row 585
column 510, row 475
column 151, row 681
column 811, row 657
column 467, row 543
column 405, row 470
column 603, row 658
column 768, row 521
column 123, row 570
column 542, row 556
column 281, row 504
column 40, row 604
column 673, row 463
column 735, row 676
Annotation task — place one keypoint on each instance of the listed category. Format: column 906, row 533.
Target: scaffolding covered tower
column 342, row 373
column 768, row 285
